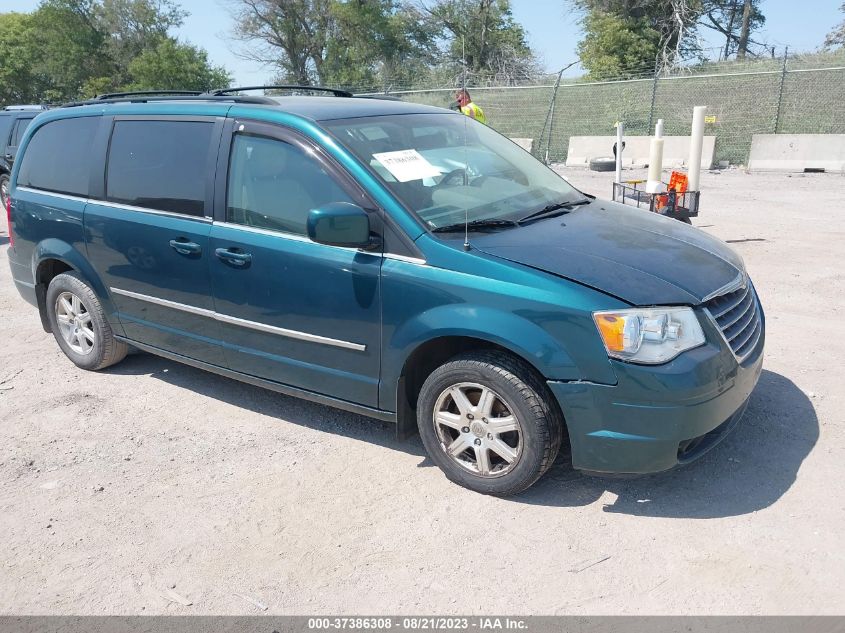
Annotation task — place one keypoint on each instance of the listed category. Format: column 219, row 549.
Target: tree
column 340, row 42
column 72, row 48
column 728, row 17
column 289, row 34
column 175, row 66
column 483, row 36
column 616, row 48
column 836, row 38
column 19, row 82
column 376, row 43
column 672, row 22
column 134, row 26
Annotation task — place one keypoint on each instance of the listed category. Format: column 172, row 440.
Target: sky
column 553, row 30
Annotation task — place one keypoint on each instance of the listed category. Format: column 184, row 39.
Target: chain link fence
column 789, row 95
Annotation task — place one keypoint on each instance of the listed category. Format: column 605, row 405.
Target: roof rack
column 25, row 108
column 147, row 93
column 335, row 91
column 172, row 97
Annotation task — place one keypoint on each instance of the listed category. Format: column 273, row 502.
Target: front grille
column 737, row 314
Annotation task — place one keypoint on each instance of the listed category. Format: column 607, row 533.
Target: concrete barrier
column 525, row 143
column 797, row 152
column 675, row 150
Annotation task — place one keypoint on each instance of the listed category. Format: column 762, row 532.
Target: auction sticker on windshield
column 406, row 165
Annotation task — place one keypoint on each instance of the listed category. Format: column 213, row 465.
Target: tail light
column 9, row 220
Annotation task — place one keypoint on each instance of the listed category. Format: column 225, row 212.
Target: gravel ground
column 155, row 488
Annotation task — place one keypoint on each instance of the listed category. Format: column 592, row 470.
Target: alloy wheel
column 478, row 430
column 75, row 323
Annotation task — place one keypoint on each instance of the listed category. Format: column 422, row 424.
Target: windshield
column 448, row 168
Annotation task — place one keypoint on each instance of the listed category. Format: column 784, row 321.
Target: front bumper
column 658, row 417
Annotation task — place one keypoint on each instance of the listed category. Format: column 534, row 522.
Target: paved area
column 154, row 488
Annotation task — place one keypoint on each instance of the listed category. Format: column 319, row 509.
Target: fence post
column 780, row 90
column 653, row 102
column 549, row 119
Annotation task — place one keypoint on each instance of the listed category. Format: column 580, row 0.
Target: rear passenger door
column 291, row 310
column 147, row 228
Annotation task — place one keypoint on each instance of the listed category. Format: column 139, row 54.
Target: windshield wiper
column 474, row 224
column 551, row 210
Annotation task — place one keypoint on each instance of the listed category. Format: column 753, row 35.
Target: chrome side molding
column 253, row 325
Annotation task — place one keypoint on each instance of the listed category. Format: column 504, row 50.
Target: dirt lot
column 156, row 488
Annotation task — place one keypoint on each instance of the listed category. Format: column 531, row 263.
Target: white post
column 654, row 183
column 696, row 145
column 620, row 130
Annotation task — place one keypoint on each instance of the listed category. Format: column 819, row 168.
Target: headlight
column 648, row 335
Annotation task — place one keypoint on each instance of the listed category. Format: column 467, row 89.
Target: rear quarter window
column 56, row 158
column 159, row 165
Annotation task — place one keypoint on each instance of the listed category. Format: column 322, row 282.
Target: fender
column 52, row 248
column 505, row 329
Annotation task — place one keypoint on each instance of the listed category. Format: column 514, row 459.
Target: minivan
column 391, row 259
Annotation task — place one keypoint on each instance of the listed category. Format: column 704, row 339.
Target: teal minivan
column 391, row 259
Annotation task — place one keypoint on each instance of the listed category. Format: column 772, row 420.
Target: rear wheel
column 488, row 422
column 80, row 325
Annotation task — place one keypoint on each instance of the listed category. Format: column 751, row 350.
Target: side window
column 17, row 133
column 5, row 128
column 159, row 165
column 57, row 157
column 273, row 185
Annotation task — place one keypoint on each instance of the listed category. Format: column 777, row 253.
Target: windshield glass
column 447, row 167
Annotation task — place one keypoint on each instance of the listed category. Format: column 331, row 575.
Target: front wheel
column 489, row 423
column 80, row 325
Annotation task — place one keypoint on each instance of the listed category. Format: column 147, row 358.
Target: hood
column 640, row 257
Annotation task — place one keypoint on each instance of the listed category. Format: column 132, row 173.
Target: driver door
column 291, row 310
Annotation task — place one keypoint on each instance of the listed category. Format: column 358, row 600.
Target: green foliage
column 19, row 83
column 71, row 48
column 135, row 26
column 381, row 43
column 484, row 35
column 375, row 43
column 615, row 47
column 75, row 49
column 175, row 66
column 291, row 35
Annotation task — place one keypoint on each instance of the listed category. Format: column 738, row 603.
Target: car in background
column 14, row 120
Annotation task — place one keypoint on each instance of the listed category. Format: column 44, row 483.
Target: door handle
column 233, row 257
column 183, row 247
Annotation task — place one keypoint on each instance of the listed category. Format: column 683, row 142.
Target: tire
column 80, row 325
column 503, row 462
column 686, row 221
column 4, row 190
column 603, row 164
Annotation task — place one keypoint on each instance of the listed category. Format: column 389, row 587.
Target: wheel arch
column 425, row 355
column 53, row 257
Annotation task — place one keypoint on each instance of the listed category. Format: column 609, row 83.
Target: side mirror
column 340, row 224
